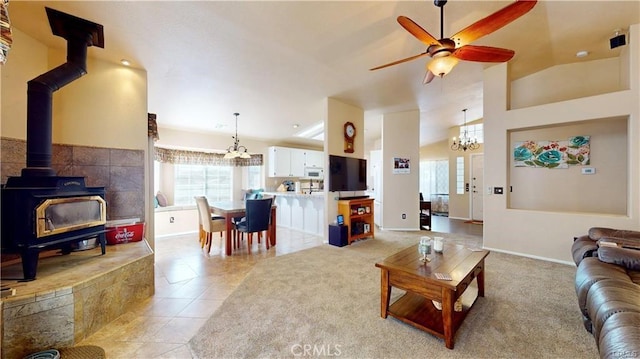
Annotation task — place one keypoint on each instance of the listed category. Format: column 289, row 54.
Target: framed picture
column 401, row 165
column 340, row 219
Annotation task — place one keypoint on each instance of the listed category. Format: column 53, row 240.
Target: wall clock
column 349, row 136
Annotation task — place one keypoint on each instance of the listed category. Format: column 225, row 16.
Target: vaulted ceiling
column 275, row 61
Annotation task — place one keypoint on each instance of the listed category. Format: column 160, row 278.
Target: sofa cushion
column 596, row 233
column 609, row 296
column 628, row 258
column 620, row 336
column 591, row 270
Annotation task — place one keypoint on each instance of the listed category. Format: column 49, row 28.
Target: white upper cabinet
column 297, row 162
column 291, row 162
column 314, row 159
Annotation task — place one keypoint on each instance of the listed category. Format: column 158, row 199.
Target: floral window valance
column 186, row 157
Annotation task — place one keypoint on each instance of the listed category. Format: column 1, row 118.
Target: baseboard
column 401, row 229
column 460, row 218
column 175, row 234
column 529, row 256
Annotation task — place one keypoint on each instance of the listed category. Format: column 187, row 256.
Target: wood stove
column 41, row 210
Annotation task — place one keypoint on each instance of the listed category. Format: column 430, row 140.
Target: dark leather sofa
column 608, row 289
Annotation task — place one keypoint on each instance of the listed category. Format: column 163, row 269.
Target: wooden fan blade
column 400, row 61
column 483, row 54
column 428, row 77
column 417, row 31
column 493, row 22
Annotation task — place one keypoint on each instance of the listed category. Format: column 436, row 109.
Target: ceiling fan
column 446, row 52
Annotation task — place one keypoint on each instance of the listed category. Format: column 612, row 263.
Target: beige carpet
column 325, row 302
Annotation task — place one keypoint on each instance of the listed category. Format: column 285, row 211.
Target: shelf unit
column 358, row 215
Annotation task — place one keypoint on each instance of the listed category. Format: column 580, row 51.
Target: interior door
column 477, row 186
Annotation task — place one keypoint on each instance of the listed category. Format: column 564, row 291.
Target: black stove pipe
column 80, row 34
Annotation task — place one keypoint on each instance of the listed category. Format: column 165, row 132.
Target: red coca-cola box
column 125, row 233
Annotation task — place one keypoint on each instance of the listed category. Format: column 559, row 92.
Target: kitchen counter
column 300, row 211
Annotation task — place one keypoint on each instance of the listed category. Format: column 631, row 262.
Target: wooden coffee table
column 405, row 270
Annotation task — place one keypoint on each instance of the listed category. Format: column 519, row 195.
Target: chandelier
column 235, row 150
column 465, row 142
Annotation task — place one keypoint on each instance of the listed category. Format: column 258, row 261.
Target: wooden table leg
column 481, row 281
column 385, row 293
column 228, row 234
column 447, row 316
column 272, row 229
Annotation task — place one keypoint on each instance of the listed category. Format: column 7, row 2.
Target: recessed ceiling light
column 125, row 62
column 295, row 125
column 582, row 53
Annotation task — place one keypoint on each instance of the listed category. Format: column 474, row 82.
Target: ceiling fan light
column 440, row 66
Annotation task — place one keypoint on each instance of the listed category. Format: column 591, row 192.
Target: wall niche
column 604, row 191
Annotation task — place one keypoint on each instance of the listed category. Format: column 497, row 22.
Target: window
column 459, row 175
column 253, row 177
column 434, row 178
column 215, row 182
column 473, row 131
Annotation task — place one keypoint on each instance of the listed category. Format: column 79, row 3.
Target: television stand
column 353, row 197
column 358, row 217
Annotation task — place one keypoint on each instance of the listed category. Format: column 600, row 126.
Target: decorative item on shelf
column 465, row 142
column 349, row 136
column 236, row 150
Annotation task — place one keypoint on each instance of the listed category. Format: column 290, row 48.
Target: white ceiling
column 275, row 61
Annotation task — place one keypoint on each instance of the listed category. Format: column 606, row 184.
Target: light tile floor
column 190, row 285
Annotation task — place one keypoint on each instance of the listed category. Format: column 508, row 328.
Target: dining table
column 233, row 209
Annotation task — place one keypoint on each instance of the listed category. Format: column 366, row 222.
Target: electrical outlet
column 404, row 216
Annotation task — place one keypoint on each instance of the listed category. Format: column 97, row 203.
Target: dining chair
column 256, row 220
column 208, row 223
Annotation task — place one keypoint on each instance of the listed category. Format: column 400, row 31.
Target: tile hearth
column 73, row 296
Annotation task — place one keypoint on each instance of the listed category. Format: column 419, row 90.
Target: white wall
column 548, row 234
column 401, row 194
column 26, row 60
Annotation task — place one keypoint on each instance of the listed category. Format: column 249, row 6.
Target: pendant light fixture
column 465, row 142
column 236, row 151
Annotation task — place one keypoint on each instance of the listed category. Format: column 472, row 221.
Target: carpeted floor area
column 325, row 301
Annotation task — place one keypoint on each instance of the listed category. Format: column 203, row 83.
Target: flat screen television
column 347, row 174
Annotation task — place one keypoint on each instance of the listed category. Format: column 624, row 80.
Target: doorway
column 477, row 186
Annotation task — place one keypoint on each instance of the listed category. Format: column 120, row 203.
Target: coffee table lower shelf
column 419, row 312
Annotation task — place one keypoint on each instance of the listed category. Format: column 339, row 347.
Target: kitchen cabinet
column 314, row 159
column 291, row 162
column 286, row 162
column 302, row 212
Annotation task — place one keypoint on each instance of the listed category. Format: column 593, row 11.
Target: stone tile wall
column 120, row 171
